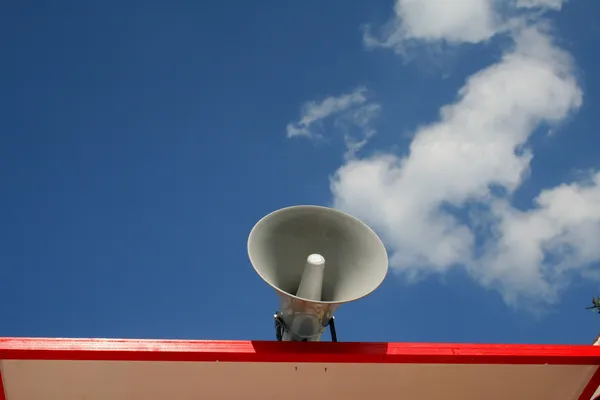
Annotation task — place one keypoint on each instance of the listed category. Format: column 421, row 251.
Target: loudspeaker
column 316, row 258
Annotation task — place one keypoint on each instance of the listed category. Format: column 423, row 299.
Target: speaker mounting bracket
column 280, row 328
column 332, row 331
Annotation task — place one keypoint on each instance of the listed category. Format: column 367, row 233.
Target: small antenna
column 596, row 305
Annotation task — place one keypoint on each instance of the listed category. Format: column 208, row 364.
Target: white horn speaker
column 316, row 258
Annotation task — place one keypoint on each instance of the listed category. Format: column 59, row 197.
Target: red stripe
column 259, row 351
column 2, row 393
column 591, row 387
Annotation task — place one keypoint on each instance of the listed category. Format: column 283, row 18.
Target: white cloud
column 352, row 115
column 460, row 21
column 478, row 143
column 447, row 203
column 356, row 126
column 533, row 251
column 549, row 4
column 314, row 112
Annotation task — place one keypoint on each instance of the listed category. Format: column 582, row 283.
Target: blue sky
column 141, row 141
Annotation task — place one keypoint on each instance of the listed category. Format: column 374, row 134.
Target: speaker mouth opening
column 267, row 247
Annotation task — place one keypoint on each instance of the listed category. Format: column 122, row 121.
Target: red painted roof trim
column 326, row 352
column 271, row 351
